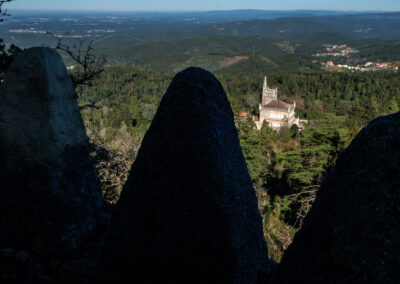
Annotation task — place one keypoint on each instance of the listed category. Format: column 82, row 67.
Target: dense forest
column 287, row 168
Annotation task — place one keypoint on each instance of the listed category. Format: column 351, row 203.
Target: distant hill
column 213, row 40
column 174, row 17
column 212, row 45
column 377, row 25
column 29, row 29
column 250, row 54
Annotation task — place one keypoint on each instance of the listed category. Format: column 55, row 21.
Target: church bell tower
column 268, row 94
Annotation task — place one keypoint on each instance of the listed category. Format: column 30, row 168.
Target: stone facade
column 277, row 113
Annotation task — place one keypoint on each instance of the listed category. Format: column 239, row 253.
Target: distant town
column 369, row 66
column 346, row 51
column 337, row 50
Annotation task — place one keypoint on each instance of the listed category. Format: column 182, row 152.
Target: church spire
column 265, row 87
column 268, row 94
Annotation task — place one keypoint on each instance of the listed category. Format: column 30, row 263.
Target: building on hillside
column 277, row 113
column 243, row 115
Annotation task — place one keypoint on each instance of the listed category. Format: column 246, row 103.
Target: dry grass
column 226, row 62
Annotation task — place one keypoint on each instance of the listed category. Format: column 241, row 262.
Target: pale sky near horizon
column 204, row 5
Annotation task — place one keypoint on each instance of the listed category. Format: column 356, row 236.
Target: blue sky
column 185, row 5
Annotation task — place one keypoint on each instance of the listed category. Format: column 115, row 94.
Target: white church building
column 277, row 113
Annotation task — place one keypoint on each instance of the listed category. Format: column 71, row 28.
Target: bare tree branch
column 7, row 54
column 88, row 65
column 3, row 12
column 89, row 105
column 305, row 198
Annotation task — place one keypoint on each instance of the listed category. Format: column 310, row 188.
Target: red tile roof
column 278, row 104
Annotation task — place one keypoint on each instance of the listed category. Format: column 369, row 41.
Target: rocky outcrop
column 49, row 189
column 188, row 212
column 352, row 233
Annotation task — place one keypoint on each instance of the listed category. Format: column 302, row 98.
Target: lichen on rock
column 49, row 193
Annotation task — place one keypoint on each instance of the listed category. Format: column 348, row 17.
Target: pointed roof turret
column 267, row 93
column 265, row 87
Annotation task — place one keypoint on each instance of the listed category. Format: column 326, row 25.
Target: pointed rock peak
column 39, row 108
column 188, row 210
column 352, row 233
column 49, row 188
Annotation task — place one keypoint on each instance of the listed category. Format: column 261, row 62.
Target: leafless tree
column 304, row 197
column 3, row 12
column 87, row 65
column 7, row 54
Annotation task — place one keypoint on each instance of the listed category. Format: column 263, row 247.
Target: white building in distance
column 277, row 113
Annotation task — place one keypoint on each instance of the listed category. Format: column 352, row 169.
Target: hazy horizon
column 210, row 10
column 220, row 10
column 204, row 6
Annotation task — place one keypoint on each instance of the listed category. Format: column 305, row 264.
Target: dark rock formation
column 188, row 212
column 352, row 233
column 49, row 189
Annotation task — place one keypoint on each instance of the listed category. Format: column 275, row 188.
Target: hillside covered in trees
column 188, row 209
column 287, row 168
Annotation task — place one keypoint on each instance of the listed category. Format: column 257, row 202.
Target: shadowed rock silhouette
column 188, row 212
column 352, row 233
column 49, row 189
